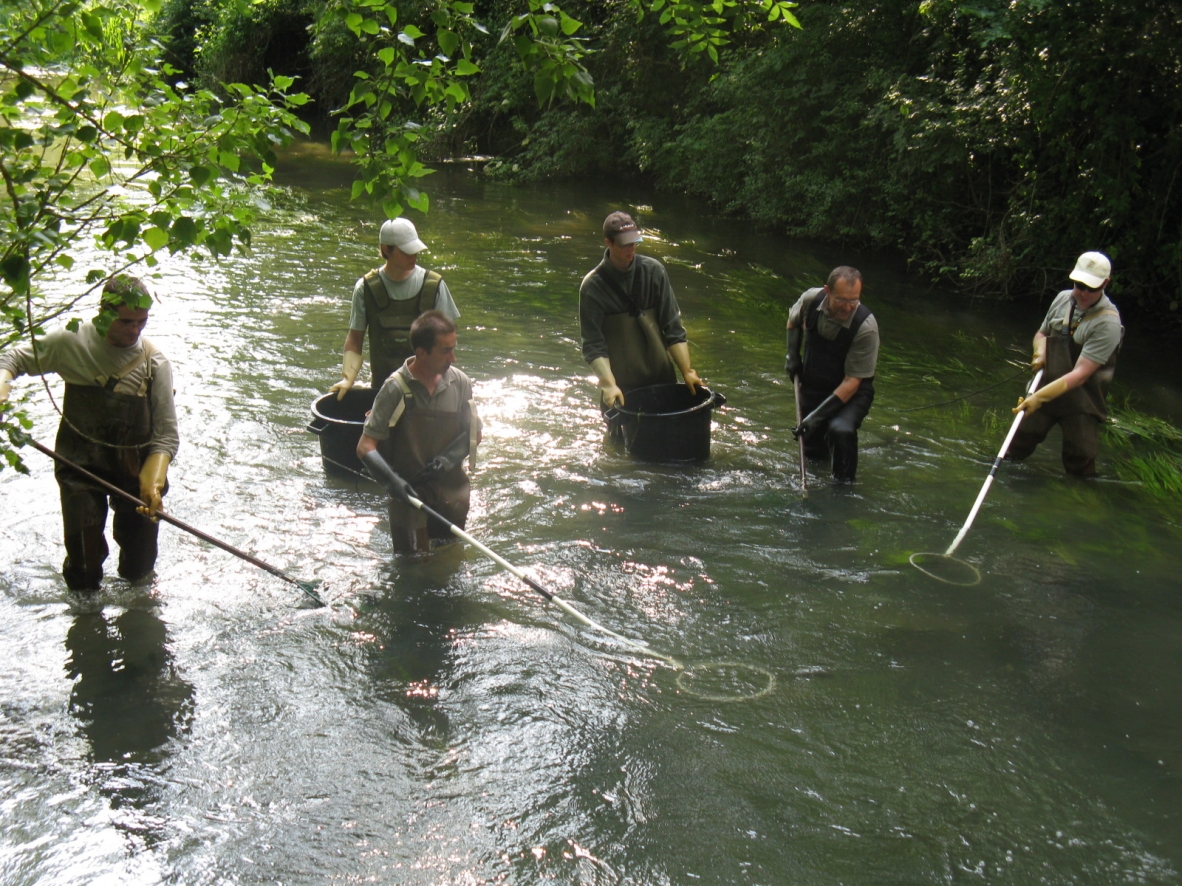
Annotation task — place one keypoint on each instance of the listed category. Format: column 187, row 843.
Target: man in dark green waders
column 118, row 422
column 1077, row 344
column 386, row 301
column 836, row 369
column 423, row 424
column 629, row 319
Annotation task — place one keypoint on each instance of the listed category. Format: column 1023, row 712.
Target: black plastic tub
column 666, row 422
column 338, row 424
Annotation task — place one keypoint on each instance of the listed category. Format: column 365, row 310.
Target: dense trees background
column 990, row 141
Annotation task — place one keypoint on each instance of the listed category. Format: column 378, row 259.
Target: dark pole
column 304, row 586
column 804, row 476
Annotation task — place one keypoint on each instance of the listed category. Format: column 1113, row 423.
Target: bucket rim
column 332, row 419
column 712, row 398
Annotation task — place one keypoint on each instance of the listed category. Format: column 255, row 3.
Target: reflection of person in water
column 127, row 696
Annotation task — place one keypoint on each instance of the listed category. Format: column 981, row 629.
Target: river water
column 438, row 723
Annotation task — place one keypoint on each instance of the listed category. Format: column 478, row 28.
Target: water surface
column 438, row 723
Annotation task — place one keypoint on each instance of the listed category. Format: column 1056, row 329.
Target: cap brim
column 627, row 238
column 1086, row 279
column 413, row 247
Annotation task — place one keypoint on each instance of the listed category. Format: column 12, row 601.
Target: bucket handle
column 316, row 428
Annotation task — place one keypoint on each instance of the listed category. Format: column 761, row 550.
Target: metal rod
column 509, row 567
column 1030, row 389
column 180, row 524
column 804, row 476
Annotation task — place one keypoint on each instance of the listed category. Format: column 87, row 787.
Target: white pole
column 1033, row 386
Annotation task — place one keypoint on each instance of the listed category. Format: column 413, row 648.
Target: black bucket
column 666, row 422
column 338, row 424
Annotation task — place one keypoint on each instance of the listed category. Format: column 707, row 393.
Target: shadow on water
column 416, row 613
column 129, row 700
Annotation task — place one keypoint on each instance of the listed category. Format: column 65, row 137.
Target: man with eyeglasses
column 1077, row 345
column 836, row 370
column 629, row 320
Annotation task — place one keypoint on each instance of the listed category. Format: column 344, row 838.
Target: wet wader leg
column 84, row 517
column 1031, row 433
column 406, row 535
column 136, row 536
column 841, row 436
column 1080, row 444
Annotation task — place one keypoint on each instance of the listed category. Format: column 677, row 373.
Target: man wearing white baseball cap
column 386, row 301
column 1077, row 345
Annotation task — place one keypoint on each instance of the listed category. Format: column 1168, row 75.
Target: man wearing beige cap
column 386, row 301
column 629, row 319
column 1077, row 346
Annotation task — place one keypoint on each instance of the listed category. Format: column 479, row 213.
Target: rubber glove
column 1038, row 358
column 444, row 461
column 381, row 471
column 793, row 365
column 610, row 393
column 1042, row 396
column 5, row 385
column 828, row 408
column 680, row 354
column 349, row 370
column 153, row 478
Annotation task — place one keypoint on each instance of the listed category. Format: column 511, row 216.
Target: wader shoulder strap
column 429, row 291
column 406, row 395
column 473, row 434
column 814, row 308
column 619, row 290
column 149, row 350
column 376, row 288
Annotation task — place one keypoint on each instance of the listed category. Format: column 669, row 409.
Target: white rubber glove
column 610, row 392
column 349, row 369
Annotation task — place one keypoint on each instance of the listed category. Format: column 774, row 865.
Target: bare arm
column 366, row 445
column 848, row 387
column 355, row 340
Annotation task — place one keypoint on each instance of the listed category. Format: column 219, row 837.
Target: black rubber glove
column 793, row 365
column 828, row 408
column 384, row 474
column 434, row 469
column 451, row 456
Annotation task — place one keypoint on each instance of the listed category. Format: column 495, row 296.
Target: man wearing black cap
column 386, row 301
column 836, row 370
column 1077, row 345
column 629, row 319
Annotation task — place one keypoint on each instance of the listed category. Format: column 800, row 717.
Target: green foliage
column 1146, row 449
column 99, row 145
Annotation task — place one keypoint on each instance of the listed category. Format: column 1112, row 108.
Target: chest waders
column 417, row 437
column 124, row 420
column 635, row 347
column 1090, row 398
column 1077, row 412
column 388, row 321
column 824, row 370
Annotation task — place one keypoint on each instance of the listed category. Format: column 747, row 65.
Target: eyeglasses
column 1084, row 287
column 845, row 302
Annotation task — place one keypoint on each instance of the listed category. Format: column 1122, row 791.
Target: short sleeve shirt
column 400, row 290
column 452, row 392
column 862, row 358
column 1098, row 332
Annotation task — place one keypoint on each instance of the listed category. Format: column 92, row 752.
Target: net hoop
column 915, row 561
column 718, row 665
